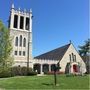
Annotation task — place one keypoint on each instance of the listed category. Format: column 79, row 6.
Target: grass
column 45, row 82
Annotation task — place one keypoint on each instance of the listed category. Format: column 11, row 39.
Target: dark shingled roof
column 55, row 54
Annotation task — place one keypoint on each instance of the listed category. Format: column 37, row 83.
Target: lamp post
column 56, row 68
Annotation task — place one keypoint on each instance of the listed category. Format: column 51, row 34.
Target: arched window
column 20, row 40
column 16, row 41
column 70, row 57
column 73, row 57
column 24, row 42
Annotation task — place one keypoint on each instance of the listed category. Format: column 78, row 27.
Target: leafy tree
column 5, row 47
column 85, row 49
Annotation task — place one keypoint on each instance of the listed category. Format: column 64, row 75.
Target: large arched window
column 20, row 40
column 16, row 41
column 24, row 42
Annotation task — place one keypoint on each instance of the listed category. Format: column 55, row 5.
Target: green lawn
column 45, row 82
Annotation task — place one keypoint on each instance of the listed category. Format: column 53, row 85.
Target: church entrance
column 45, row 68
column 37, row 68
column 75, row 68
column 52, row 67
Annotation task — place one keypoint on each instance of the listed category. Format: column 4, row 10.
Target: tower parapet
column 20, row 19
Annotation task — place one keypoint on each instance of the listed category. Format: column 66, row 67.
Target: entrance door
column 75, row 68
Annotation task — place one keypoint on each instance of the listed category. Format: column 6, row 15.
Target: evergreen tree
column 85, row 53
column 85, row 49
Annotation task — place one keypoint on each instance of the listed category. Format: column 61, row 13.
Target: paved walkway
column 41, row 75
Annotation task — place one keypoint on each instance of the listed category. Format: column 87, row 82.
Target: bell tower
column 20, row 26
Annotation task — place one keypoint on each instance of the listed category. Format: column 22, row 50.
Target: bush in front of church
column 22, row 71
column 16, row 71
column 5, row 72
column 32, row 73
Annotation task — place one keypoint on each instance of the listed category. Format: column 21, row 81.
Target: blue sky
column 55, row 22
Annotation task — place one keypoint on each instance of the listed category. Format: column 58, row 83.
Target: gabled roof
column 55, row 54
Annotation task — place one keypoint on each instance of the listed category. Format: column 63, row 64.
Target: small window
column 16, row 41
column 74, row 58
column 23, row 53
column 20, row 53
column 15, row 52
column 24, row 42
column 70, row 57
column 20, row 40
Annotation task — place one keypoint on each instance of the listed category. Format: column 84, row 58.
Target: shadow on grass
column 47, row 84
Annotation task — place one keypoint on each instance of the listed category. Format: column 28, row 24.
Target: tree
column 5, row 47
column 85, row 49
column 85, row 52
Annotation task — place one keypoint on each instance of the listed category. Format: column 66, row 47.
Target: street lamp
column 56, row 68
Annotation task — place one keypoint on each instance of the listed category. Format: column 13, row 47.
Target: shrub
column 5, row 72
column 16, row 71
column 22, row 71
column 32, row 73
column 60, row 72
column 50, row 73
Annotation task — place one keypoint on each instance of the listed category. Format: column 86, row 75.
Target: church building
column 20, row 26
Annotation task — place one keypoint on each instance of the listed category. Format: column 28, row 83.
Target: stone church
column 20, row 26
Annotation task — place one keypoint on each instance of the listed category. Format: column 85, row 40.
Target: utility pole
column 28, row 52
